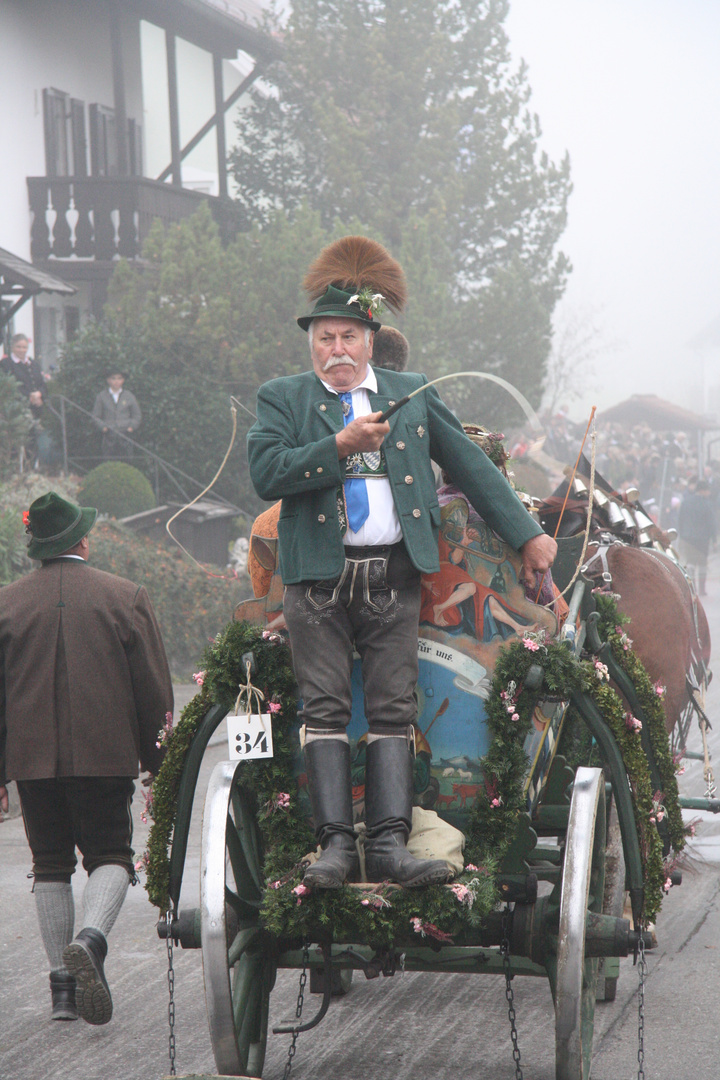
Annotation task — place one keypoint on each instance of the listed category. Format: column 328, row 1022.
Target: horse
column 631, row 557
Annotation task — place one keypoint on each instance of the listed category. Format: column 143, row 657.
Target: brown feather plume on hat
column 356, row 263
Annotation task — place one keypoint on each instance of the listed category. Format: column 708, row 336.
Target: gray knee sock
column 104, row 895
column 56, row 915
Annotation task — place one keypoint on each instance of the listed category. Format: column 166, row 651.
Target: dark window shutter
column 79, row 139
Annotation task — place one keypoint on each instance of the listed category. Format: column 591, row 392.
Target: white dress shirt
column 382, row 525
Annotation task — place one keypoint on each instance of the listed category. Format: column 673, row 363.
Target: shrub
column 191, row 607
column 117, row 489
column 13, row 559
column 15, row 423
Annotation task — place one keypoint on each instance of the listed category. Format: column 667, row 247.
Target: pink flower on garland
column 601, row 671
column 300, row 891
column 199, row 677
column 274, row 706
column 632, row 723
column 461, row 891
column 496, row 802
column 426, row 929
column 166, row 731
column 530, row 644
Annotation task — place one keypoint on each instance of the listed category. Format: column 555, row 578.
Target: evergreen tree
column 408, row 116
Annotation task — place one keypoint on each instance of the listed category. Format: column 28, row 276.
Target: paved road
column 409, row 1027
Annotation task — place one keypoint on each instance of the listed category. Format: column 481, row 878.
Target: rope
column 223, row 577
column 248, row 692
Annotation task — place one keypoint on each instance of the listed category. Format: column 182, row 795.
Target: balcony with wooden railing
column 105, row 218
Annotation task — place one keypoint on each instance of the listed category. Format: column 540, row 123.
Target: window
column 72, row 323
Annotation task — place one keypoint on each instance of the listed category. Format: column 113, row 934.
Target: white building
column 115, row 112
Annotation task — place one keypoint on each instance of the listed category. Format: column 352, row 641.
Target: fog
column 630, row 88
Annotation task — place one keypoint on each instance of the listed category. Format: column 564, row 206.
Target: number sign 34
column 249, row 736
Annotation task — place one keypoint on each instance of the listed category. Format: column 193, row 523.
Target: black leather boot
column 388, row 818
column 85, row 958
column 62, row 988
column 328, row 770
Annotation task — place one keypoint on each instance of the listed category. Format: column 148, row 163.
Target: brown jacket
column 84, row 680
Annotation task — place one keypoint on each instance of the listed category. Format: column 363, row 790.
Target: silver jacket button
column 400, row 445
column 409, row 480
column 416, row 513
column 307, row 475
column 321, row 518
column 319, row 468
column 323, row 408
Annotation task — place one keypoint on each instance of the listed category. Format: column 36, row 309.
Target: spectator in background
column 117, row 413
column 696, row 528
column 29, row 375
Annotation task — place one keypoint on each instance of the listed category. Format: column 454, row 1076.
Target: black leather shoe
column 388, row 817
column 328, row 769
column 62, row 988
column 84, row 958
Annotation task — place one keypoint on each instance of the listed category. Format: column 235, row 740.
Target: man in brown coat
column 84, row 690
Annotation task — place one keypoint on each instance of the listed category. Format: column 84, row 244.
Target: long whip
column 512, row 390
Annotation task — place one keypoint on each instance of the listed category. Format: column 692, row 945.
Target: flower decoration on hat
column 369, row 302
column 26, row 521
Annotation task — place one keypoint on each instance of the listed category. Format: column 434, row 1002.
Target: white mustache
column 335, row 360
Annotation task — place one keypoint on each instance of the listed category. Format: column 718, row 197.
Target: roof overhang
column 20, row 280
column 215, row 25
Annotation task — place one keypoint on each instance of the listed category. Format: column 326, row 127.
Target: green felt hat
column 335, row 303
column 56, row 525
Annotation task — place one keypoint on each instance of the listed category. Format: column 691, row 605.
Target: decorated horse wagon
column 543, row 774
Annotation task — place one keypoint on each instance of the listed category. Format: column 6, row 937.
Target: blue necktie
column 356, row 496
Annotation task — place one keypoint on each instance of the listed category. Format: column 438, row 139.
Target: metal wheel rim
column 576, row 976
column 238, row 992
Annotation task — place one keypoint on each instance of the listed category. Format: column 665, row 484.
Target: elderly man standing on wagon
column 358, row 526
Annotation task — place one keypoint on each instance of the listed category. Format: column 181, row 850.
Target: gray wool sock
column 56, row 915
column 104, row 895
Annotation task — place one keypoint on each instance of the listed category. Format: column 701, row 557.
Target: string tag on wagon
column 249, row 729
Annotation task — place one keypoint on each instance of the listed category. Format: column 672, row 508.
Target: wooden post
column 118, row 71
column 220, row 126
column 175, row 167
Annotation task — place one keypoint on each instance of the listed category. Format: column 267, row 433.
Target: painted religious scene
column 470, row 608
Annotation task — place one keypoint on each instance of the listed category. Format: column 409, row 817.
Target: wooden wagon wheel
column 614, row 900
column 574, row 976
column 238, row 973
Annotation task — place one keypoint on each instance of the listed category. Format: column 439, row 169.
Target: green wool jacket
column 293, row 456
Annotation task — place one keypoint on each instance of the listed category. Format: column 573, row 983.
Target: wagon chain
column 298, row 1011
column 171, row 991
column 642, row 970
column 509, row 996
